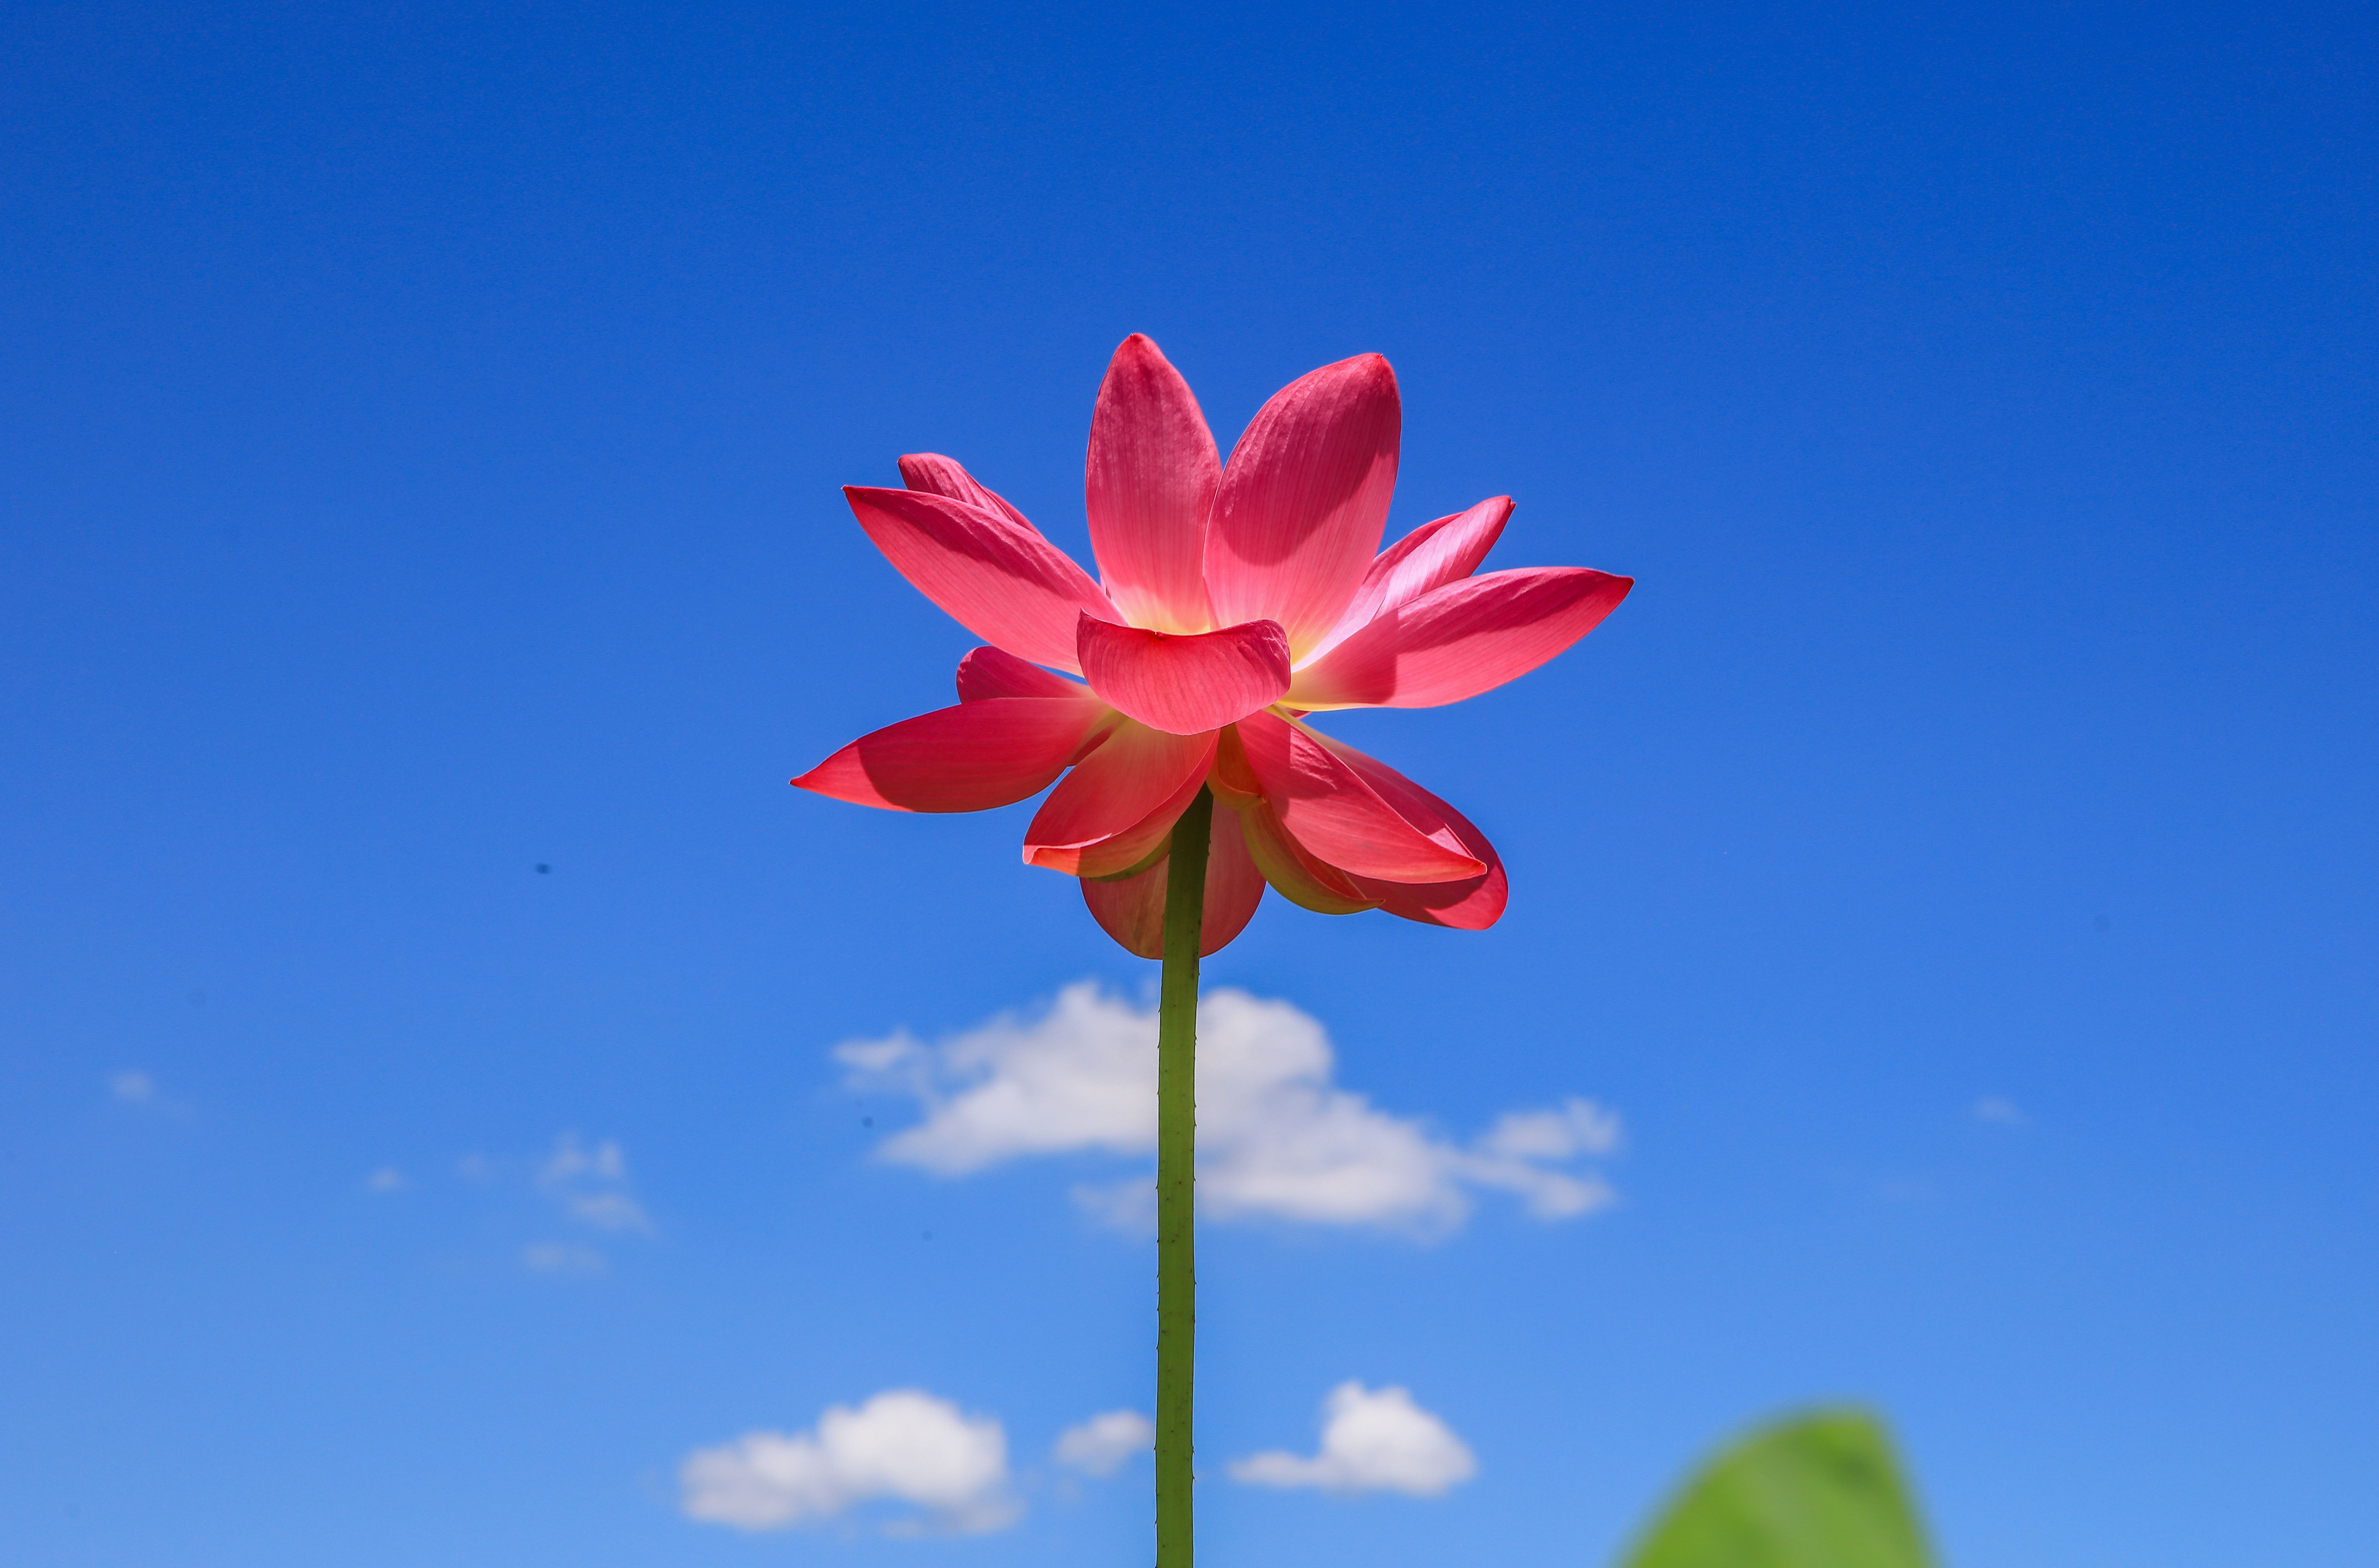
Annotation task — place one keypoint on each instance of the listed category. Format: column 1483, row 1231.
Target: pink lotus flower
column 1233, row 600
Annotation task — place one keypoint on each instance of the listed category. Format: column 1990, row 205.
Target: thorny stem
column 1177, row 1137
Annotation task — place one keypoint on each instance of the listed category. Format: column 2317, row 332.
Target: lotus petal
column 996, row 577
column 971, row 757
column 1149, row 485
column 1184, row 684
column 1461, row 639
column 987, row 672
column 1303, row 499
column 1112, row 813
column 1435, row 553
column 1131, row 908
column 945, row 476
column 1472, row 904
column 1327, row 807
column 1294, row 873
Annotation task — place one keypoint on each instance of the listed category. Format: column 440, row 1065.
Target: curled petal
column 971, row 757
column 987, row 672
column 1149, row 484
column 1431, row 556
column 1131, row 908
column 997, row 577
column 1186, row 684
column 1329, row 808
column 943, row 477
column 1303, row 499
column 1113, row 811
column 1472, row 904
column 1462, row 639
column 1295, row 874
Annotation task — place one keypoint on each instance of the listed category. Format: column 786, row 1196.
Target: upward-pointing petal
column 1149, row 484
column 1303, row 499
column 997, row 577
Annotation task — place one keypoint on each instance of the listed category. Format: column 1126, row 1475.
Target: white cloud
column 1276, row 1136
column 562, row 1258
column 1999, row 1110
column 1371, row 1441
column 132, row 1086
column 591, row 1186
column 903, row 1445
column 1101, row 1445
column 388, row 1178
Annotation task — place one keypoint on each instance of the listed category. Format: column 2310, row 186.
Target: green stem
column 1177, row 1138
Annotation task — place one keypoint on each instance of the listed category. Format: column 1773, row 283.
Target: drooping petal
column 1339, row 818
column 1303, row 499
column 1131, row 908
column 1295, row 874
column 1112, row 813
column 1149, row 485
column 1186, row 684
column 987, row 672
column 1472, row 904
column 1431, row 556
column 996, row 577
column 1462, row 639
column 946, row 477
column 970, row 757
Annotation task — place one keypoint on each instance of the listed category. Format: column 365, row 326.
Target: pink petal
column 1186, row 684
column 1339, row 818
column 997, row 577
column 1431, row 556
column 987, row 672
column 1462, row 639
column 1295, row 874
column 1303, row 499
column 970, row 757
column 1149, row 484
column 1131, row 908
column 1113, row 811
column 943, row 477
column 1471, row 904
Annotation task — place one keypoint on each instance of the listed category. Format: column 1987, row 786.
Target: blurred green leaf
column 1820, row 1491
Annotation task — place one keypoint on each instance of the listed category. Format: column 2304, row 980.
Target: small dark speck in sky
column 2103, row 924
column 542, row 869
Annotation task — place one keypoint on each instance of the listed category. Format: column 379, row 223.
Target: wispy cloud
column 562, row 1258
column 904, row 1446
column 591, row 1186
column 386, row 1179
column 1999, row 1111
column 1371, row 1441
column 132, row 1086
column 1103, row 1445
column 1276, row 1136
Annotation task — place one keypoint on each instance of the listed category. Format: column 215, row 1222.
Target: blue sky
column 1952, row 867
